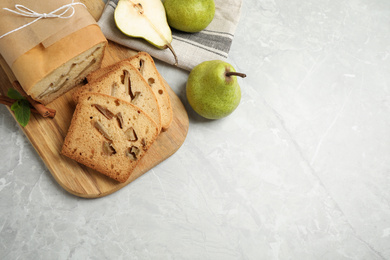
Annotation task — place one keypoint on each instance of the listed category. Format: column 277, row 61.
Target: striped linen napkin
column 191, row 48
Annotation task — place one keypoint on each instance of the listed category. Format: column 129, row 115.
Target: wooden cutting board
column 47, row 135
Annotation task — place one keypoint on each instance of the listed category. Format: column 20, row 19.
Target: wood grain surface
column 47, row 135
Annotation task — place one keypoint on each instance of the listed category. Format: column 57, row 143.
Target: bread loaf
column 109, row 135
column 47, row 73
column 125, row 82
column 145, row 64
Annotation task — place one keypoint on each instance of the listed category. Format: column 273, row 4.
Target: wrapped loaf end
column 47, row 73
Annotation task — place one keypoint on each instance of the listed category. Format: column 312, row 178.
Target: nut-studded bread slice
column 109, row 135
column 124, row 81
column 145, row 64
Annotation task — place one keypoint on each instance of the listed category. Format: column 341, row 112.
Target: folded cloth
column 191, row 48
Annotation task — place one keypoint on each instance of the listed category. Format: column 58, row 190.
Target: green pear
column 189, row 15
column 212, row 89
column 145, row 19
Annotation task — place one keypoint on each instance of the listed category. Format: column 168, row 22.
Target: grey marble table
column 301, row 170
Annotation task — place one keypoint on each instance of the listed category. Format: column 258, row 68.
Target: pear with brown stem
column 213, row 90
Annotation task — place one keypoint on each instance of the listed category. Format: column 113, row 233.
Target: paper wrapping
column 38, row 62
column 45, row 31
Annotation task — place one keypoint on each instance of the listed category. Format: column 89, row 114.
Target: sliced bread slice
column 124, row 81
column 109, row 135
column 146, row 66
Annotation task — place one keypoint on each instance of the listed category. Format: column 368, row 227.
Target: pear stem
column 174, row 53
column 233, row 73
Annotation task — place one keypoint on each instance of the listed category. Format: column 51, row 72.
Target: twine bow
column 27, row 12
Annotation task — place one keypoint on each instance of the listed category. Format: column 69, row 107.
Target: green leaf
column 22, row 112
column 21, row 107
column 15, row 106
column 14, row 94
